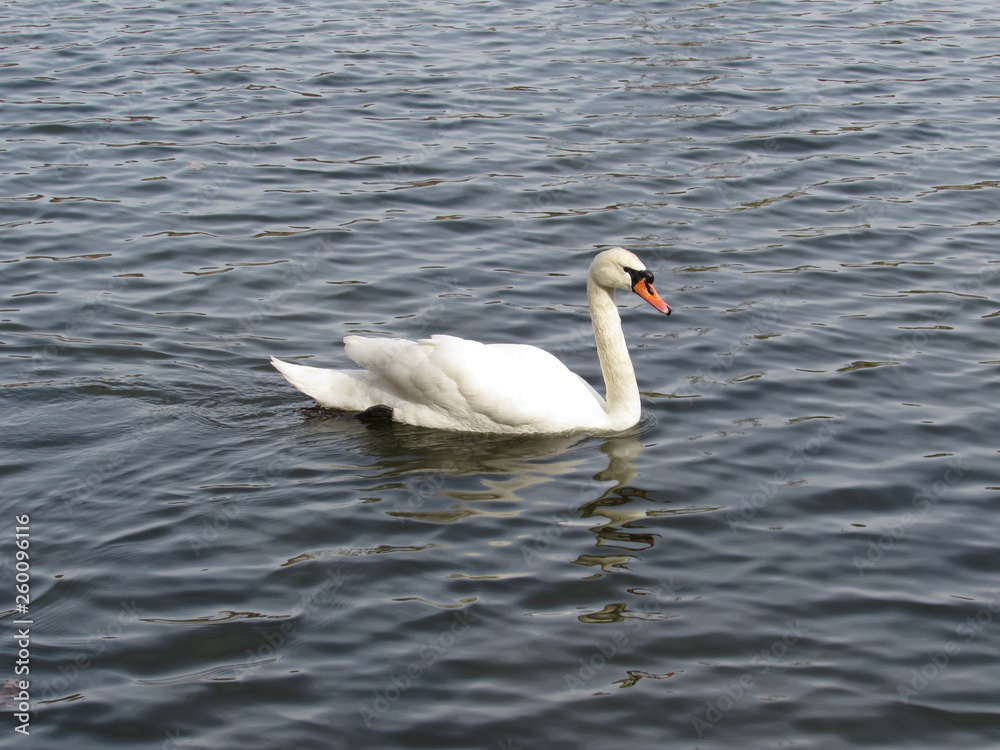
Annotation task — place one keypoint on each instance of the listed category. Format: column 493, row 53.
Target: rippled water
column 798, row 546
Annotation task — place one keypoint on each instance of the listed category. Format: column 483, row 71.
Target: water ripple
column 795, row 545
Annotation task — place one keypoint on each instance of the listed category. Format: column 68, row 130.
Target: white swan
column 456, row 384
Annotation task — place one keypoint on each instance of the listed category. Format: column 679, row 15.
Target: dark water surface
column 797, row 549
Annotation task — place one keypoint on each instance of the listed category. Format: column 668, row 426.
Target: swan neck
column 621, row 391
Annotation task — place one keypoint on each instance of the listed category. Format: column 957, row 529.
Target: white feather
column 452, row 383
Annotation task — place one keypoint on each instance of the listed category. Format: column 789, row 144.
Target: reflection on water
column 450, row 477
column 625, row 507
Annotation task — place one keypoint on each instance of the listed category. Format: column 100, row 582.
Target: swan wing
column 469, row 385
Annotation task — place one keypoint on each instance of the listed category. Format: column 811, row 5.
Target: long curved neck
column 621, row 391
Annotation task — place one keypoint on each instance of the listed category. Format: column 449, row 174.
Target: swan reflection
column 442, row 477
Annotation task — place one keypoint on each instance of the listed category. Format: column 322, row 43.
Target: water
column 796, row 548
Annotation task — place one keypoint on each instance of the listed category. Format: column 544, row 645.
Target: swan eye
column 638, row 276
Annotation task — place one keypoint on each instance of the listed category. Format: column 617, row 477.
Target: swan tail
column 334, row 389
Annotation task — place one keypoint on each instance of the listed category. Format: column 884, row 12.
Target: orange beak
column 644, row 289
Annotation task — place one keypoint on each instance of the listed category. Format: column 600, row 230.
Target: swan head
column 618, row 268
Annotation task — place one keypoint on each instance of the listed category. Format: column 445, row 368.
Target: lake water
column 798, row 546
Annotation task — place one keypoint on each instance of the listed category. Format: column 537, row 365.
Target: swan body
column 456, row 384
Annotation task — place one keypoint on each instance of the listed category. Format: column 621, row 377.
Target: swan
column 456, row 384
